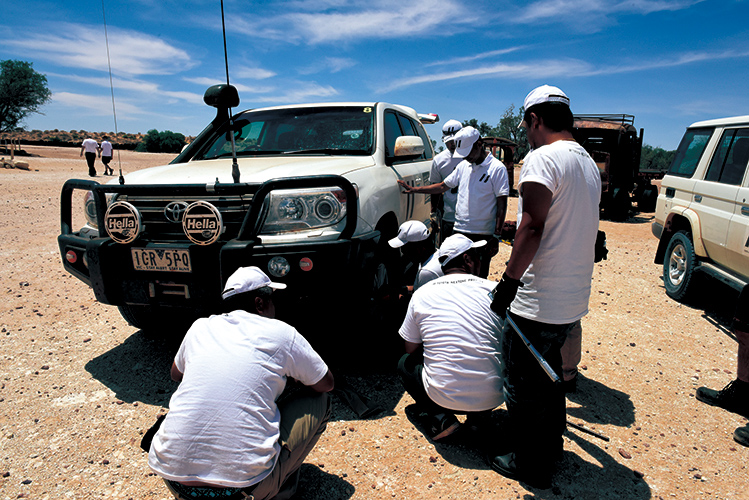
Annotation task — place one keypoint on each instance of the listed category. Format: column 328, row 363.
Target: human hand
column 503, row 295
column 492, row 247
column 405, row 186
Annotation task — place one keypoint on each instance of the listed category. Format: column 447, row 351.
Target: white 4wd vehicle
column 702, row 214
column 312, row 203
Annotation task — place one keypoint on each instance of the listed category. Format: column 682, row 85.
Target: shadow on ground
column 600, row 404
column 138, row 368
column 316, row 484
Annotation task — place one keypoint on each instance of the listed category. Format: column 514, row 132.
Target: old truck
column 308, row 193
column 614, row 144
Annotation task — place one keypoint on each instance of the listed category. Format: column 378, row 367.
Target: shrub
column 161, row 142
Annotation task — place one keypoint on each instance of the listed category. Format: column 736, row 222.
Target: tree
column 161, row 142
column 508, row 128
column 655, row 158
column 22, row 92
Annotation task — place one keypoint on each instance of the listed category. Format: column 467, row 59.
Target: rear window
column 690, row 151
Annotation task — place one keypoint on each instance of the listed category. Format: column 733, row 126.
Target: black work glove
column 504, row 293
column 600, row 249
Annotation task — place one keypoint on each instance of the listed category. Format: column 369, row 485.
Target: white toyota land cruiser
column 702, row 213
column 311, row 199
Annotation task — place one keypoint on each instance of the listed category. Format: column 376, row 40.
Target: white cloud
column 339, row 21
column 94, row 105
column 252, row 73
column 582, row 11
column 476, row 57
column 254, row 89
column 81, row 46
column 306, row 92
column 530, row 69
column 329, row 64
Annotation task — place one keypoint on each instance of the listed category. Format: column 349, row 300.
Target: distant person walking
column 91, row 148
column 106, row 155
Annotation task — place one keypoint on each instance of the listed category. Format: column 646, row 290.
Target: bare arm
column 412, row 347
column 501, row 213
column 175, row 373
column 326, row 384
column 536, row 203
column 438, row 188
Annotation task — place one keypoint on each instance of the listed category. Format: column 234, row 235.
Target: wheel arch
column 682, row 220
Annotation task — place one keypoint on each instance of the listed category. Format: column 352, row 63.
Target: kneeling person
column 451, row 363
column 232, row 430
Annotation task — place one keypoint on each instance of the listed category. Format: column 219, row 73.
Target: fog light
column 71, row 256
column 279, row 267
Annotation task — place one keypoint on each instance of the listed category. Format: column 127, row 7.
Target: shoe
column 741, row 435
column 734, row 397
column 506, row 466
column 443, row 425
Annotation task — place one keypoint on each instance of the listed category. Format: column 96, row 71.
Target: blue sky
column 668, row 62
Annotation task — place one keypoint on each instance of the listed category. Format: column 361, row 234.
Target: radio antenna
column 234, row 164
column 111, row 87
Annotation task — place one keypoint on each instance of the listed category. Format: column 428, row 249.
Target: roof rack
column 623, row 119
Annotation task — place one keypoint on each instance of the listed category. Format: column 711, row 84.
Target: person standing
column 450, row 333
column 546, row 286
column 237, row 427
column 442, row 166
column 734, row 397
column 106, row 155
column 91, row 148
column 483, row 188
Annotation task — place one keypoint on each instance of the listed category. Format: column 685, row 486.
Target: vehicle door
column 715, row 197
column 737, row 243
column 413, row 171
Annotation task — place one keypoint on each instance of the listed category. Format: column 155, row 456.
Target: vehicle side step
column 729, row 279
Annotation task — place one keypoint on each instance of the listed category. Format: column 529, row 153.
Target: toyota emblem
column 175, row 210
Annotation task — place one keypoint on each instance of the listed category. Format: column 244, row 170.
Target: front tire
column 679, row 266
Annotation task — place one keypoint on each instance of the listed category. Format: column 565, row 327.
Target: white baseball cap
column 464, row 140
column 247, row 279
column 544, row 93
column 456, row 245
column 410, row 231
column 449, row 129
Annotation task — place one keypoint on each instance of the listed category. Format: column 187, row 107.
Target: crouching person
column 237, row 427
column 451, row 363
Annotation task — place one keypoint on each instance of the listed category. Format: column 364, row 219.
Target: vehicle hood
column 252, row 170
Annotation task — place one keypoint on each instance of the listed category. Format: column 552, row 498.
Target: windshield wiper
column 328, row 151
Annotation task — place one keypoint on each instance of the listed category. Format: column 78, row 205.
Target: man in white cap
column 450, row 332
column 417, row 247
column 443, row 205
column 234, row 429
column 483, row 188
column 546, row 284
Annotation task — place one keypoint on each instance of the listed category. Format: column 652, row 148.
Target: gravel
column 80, row 386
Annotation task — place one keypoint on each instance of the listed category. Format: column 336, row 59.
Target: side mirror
column 409, row 145
column 222, row 96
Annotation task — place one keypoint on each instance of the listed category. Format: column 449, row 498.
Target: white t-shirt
column 442, row 166
column 106, row 148
column 223, row 423
column 557, row 282
column 451, row 317
column 428, row 271
column 90, row 145
column 479, row 187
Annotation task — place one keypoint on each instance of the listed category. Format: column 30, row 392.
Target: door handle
column 698, row 198
column 745, row 211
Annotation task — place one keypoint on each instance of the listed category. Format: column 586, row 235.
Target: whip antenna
column 111, row 87
column 234, row 164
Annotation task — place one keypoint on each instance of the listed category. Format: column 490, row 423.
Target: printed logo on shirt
column 484, row 178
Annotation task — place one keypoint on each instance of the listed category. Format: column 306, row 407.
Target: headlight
column 299, row 210
column 89, row 208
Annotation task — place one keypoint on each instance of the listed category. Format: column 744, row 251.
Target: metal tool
column 541, row 361
column 588, row 431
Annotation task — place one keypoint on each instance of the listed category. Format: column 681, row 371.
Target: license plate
column 161, row 259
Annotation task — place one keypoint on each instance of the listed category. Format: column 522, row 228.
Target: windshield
column 334, row 130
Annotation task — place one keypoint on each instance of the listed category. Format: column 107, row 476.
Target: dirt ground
column 80, row 386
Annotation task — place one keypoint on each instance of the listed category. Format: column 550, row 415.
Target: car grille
column 157, row 228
